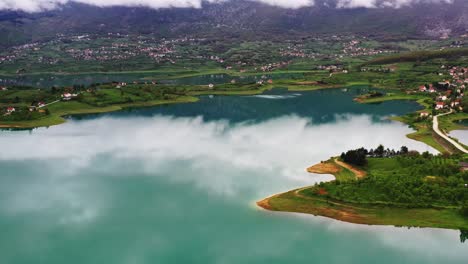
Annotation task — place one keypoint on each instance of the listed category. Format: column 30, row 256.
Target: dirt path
column 359, row 173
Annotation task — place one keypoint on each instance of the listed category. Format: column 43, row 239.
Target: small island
column 385, row 187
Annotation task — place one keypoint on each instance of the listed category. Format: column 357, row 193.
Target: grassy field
column 366, row 214
column 369, row 201
column 61, row 109
column 299, row 75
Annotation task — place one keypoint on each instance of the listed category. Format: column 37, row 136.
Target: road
column 435, row 127
column 49, row 103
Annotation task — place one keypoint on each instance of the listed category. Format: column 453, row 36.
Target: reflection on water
column 460, row 135
column 159, row 188
column 322, row 106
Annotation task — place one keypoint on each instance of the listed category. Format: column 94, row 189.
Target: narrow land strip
column 435, row 127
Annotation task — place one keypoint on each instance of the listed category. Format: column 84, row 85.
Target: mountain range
column 238, row 19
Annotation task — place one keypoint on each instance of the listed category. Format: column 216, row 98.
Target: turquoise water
column 177, row 184
column 323, row 106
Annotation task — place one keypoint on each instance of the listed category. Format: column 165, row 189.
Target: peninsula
column 385, row 187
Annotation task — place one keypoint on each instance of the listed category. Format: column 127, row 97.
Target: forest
column 405, row 179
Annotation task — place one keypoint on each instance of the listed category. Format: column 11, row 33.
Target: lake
column 178, row 184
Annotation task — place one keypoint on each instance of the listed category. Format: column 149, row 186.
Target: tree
column 379, row 151
column 355, row 157
column 463, row 235
column 404, row 150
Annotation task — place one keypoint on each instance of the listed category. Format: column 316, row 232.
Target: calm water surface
column 177, row 184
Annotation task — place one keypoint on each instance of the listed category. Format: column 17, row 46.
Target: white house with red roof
column 424, row 114
column 10, row 109
column 68, row 96
column 439, row 105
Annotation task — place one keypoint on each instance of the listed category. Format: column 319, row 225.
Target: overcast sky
column 41, row 5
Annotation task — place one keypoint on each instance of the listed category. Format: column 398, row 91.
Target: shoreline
column 57, row 118
column 319, row 203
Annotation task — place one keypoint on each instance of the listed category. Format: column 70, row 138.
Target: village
column 112, row 47
column 449, row 93
column 120, row 48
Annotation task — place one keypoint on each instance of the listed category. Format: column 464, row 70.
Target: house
column 424, row 114
column 10, row 109
column 422, row 88
column 443, row 97
column 270, row 81
column 68, row 96
column 432, row 90
column 2, row 88
column 211, row 86
column 439, row 105
column 41, row 104
column 455, row 103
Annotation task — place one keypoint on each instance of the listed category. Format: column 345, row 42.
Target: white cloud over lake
column 43, row 5
column 68, row 181
column 283, row 147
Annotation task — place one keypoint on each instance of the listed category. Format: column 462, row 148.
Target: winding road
column 435, row 127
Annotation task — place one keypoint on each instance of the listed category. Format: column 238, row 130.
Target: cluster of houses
column 121, row 51
column 297, row 51
column 332, row 68
column 273, row 66
column 37, row 107
column 18, row 52
column 353, row 49
column 379, row 69
column 156, row 49
column 262, row 82
column 450, row 93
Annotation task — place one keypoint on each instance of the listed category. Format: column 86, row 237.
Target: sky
column 43, row 5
